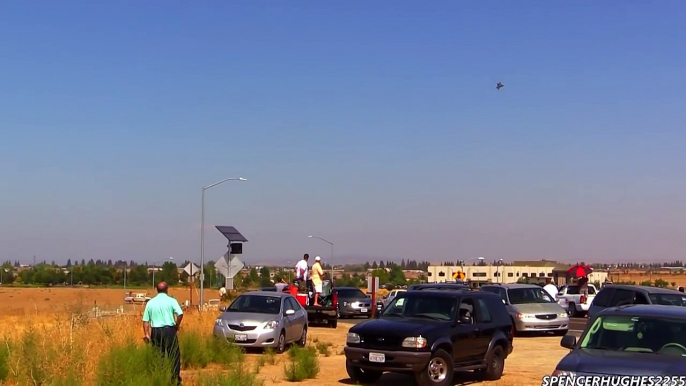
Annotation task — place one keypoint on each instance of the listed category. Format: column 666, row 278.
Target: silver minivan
column 531, row 308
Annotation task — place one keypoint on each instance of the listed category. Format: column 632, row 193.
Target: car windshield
column 667, row 299
column 428, row 307
column 575, row 290
column 351, row 294
column 529, row 295
column 637, row 334
column 256, row 304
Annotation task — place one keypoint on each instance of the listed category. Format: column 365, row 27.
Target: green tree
column 265, row 277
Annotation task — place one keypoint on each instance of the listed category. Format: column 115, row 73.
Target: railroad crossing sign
column 459, row 275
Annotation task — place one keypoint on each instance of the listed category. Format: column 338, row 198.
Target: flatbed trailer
column 327, row 313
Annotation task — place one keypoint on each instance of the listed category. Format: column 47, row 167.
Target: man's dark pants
column 165, row 339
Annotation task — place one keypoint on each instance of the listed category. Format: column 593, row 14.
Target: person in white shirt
column 302, row 271
column 550, row 288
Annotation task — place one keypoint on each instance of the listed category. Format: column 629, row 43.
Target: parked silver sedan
column 263, row 319
column 531, row 308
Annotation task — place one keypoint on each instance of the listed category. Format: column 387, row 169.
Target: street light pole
column 497, row 270
column 125, row 276
column 202, row 235
column 331, row 244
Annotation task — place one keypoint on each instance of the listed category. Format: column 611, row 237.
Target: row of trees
column 91, row 273
column 407, row 265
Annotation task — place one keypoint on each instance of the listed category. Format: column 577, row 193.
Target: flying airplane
column 499, row 86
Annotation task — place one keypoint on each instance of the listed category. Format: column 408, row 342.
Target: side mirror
column 222, row 308
column 465, row 320
column 568, row 341
column 289, row 312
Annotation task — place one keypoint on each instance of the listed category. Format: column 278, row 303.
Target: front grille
column 248, row 341
column 380, row 342
column 236, row 327
column 546, row 316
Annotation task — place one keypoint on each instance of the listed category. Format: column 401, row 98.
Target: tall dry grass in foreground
column 72, row 349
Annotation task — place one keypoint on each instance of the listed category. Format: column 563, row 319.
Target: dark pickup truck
column 327, row 313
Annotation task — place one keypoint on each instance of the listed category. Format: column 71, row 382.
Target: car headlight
column 273, row 325
column 353, row 338
column 564, row 373
column 218, row 322
column 414, row 342
column 525, row 316
column 562, row 315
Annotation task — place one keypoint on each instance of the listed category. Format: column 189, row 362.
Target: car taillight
column 583, row 299
column 335, row 299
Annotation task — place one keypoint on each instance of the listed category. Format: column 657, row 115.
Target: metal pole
column 124, row 276
column 202, row 235
column 202, row 245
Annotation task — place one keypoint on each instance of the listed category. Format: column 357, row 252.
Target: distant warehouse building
column 534, row 272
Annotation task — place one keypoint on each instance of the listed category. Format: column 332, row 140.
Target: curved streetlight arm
column 331, row 244
column 224, row 180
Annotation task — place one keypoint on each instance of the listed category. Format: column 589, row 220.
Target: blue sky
column 373, row 124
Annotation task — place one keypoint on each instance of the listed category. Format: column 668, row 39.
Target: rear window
column 351, row 294
column 575, row 290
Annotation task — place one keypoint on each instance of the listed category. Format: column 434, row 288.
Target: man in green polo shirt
column 161, row 320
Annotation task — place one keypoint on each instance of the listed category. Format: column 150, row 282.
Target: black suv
column 432, row 334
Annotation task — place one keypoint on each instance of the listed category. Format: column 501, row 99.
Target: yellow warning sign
column 459, row 275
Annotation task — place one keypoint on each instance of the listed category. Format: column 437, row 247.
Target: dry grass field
column 51, row 341
column 640, row 276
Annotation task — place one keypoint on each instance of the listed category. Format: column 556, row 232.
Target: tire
column 571, row 310
column 333, row 323
column 281, row 343
column 560, row 332
column 495, row 364
column 438, row 372
column 303, row 338
column 358, row 374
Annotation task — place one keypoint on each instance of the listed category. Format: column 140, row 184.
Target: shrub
column 238, row 377
column 199, row 350
column 303, row 364
column 4, row 361
column 324, row 348
column 132, row 365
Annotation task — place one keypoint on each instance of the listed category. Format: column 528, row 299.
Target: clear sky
column 375, row 125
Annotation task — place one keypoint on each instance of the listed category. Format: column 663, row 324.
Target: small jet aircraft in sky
column 499, row 85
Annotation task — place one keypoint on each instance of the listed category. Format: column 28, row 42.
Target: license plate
column 240, row 337
column 363, row 310
column 377, row 358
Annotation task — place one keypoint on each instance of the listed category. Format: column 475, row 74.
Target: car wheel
column 303, row 338
column 495, row 364
column 333, row 323
column 560, row 332
column 281, row 343
column 439, row 370
column 358, row 374
column 571, row 310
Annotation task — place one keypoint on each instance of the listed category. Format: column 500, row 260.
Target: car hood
column 621, row 363
column 398, row 327
column 538, row 308
column 247, row 318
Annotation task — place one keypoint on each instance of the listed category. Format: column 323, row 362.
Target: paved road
column 576, row 325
